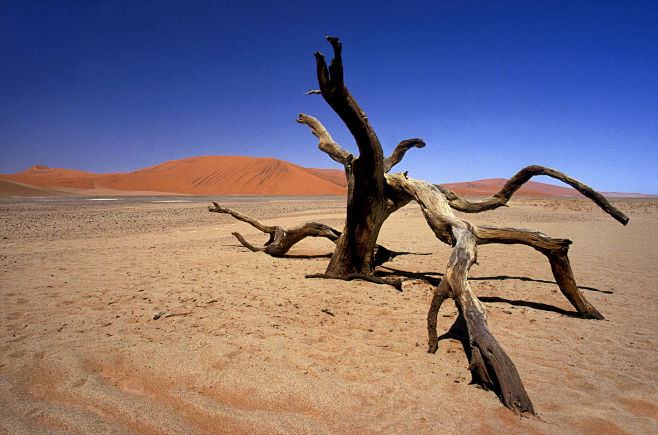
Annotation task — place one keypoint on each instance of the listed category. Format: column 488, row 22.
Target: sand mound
column 235, row 175
column 10, row 188
column 335, row 176
column 207, row 175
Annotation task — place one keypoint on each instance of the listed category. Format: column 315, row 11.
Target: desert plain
column 145, row 315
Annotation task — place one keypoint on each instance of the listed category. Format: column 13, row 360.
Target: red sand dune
column 227, row 175
column 207, row 175
column 14, row 188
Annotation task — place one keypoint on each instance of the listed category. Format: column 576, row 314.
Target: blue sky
column 490, row 86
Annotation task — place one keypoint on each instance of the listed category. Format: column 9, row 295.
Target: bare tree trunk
column 373, row 195
column 367, row 206
column 365, row 201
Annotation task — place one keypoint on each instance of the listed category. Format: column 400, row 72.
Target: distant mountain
column 228, row 175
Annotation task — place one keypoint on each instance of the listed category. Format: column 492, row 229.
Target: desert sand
column 245, row 344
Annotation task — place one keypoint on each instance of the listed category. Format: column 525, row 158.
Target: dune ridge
column 230, row 175
column 14, row 188
column 205, row 175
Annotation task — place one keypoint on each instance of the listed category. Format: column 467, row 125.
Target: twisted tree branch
column 282, row 240
column 327, row 144
column 400, row 151
column 555, row 250
column 513, row 184
column 216, row 208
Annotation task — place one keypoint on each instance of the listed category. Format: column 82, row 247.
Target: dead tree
column 373, row 195
column 280, row 240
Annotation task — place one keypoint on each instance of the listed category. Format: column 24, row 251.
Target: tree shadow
column 329, row 254
column 424, row 276
column 525, row 278
column 307, row 256
column 293, row 256
column 458, row 331
column 530, row 304
column 431, row 278
column 434, row 279
column 397, row 253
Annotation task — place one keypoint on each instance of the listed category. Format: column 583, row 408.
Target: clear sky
column 491, row 86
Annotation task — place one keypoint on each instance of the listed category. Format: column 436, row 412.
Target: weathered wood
column 216, row 208
column 282, row 240
column 341, row 101
column 373, row 195
column 366, row 204
column 489, row 362
column 399, row 152
column 246, row 244
column 327, row 143
column 441, row 293
column 556, row 250
column 513, row 184
column 435, row 207
column 561, row 268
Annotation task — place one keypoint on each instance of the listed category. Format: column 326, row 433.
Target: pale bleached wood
column 327, row 144
column 441, row 293
column 400, row 150
column 501, row 197
column 488, row 362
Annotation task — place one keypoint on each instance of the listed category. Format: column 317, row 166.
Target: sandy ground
column 246, row 344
